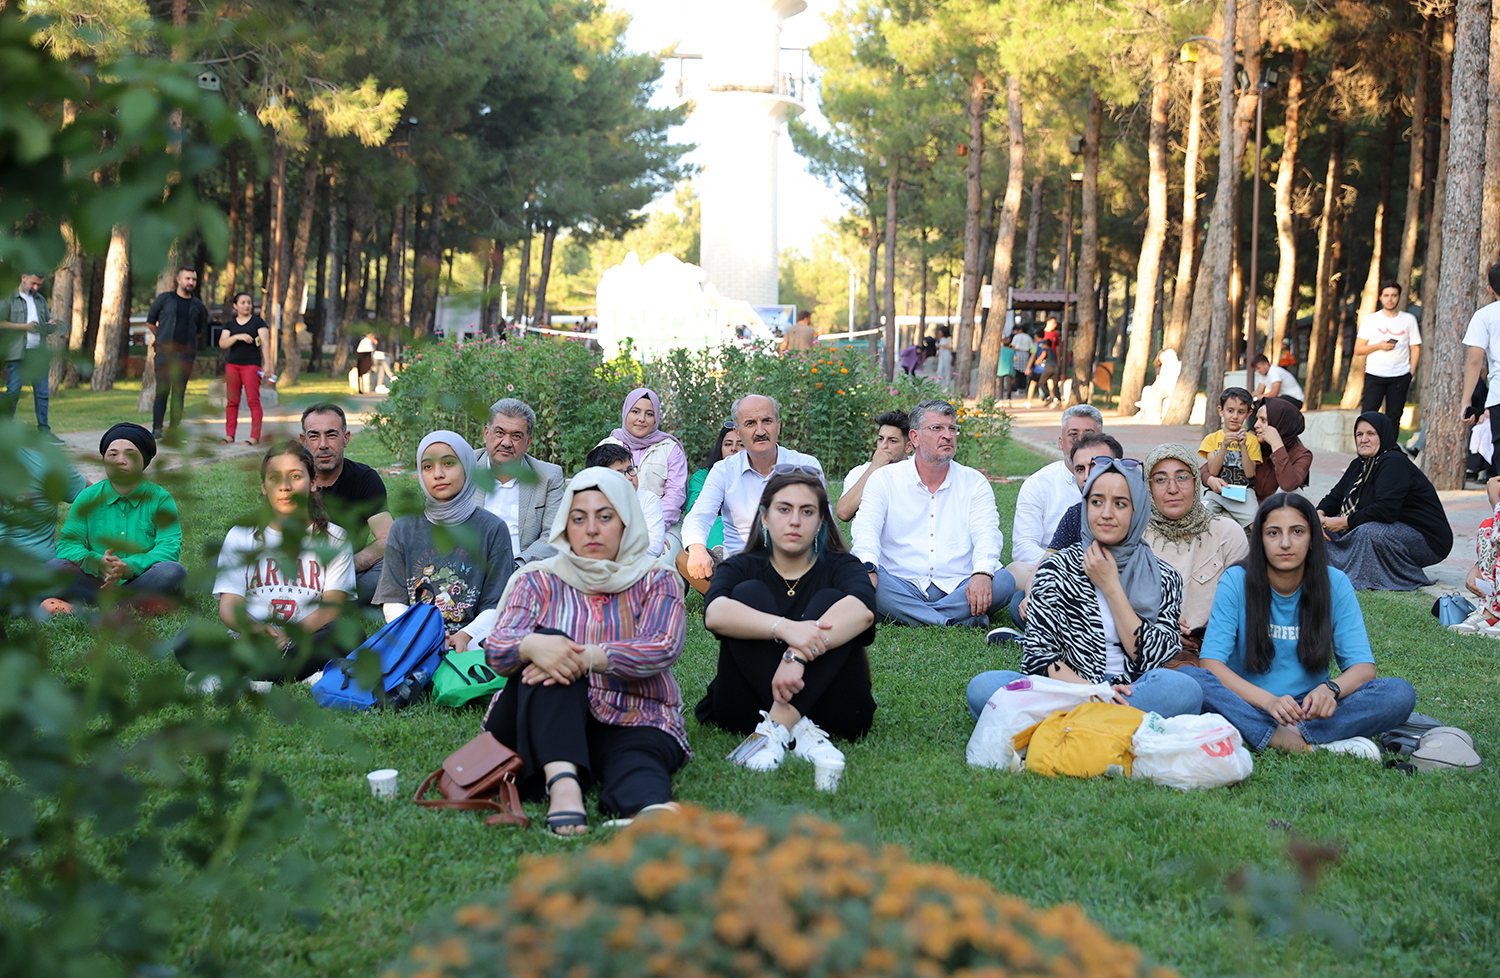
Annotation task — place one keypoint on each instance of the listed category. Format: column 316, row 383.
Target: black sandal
column 560, row 820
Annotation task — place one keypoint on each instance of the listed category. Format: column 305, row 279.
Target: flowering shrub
column 576, row 395
column 829, row 399
column 708, row 894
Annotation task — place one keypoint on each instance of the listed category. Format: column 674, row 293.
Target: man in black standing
column 176, row 320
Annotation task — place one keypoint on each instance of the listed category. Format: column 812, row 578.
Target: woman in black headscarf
column 1383, row 520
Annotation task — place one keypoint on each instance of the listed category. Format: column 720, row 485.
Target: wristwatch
column 789, row 656
column 870, row 568
column 1333, row 686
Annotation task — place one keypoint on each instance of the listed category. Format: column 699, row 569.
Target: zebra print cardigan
column 1063, row 623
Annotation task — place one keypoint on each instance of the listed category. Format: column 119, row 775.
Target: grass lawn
column 1416, row 879
column 82, row 409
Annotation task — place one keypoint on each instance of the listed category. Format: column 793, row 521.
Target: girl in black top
column 794, row 613
column 243, row 338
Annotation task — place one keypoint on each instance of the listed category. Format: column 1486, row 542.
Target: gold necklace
column 791, row 586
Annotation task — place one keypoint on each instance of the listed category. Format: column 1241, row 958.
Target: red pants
column 248, row 376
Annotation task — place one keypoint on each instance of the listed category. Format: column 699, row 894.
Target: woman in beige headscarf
column 1198, row 544
column 589, row 636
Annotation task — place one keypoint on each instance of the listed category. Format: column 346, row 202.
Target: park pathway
column 1037, row 429
column 200, row 445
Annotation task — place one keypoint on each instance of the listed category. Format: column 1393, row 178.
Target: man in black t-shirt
column 353, row 493
column 176, row 319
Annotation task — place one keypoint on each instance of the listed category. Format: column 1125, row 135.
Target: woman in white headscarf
column 455, row 555
column 590, row 635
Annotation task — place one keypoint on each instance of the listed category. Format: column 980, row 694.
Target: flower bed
column 829, row 399
column 706, row 893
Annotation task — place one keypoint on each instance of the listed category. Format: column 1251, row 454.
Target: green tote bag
column 461, row 677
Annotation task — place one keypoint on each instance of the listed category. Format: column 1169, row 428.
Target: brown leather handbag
column 479, row 776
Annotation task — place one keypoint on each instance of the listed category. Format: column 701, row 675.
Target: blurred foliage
column 707, row 893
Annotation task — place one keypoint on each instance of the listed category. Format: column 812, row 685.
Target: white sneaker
column 778, row 739
column 262, row 685
column 1477, row 622
column 811, row 744
column 203, row 685
column 1356, row 746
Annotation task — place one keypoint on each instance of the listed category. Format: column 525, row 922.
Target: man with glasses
column 527, row 503
column 1088, row 448
column 612, row 455
column 734, row 485
column 928, row 531
column 353, row 492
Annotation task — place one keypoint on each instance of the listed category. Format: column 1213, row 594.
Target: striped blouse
column 638, row 689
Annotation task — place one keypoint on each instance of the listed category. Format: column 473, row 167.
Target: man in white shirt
column 1483, row 340
column 25, row 317
column 929, row 534
column 891, row 443
column 734, row 486
column 1050, row 491
column 1274, row 381
column 527, row 506
column 1391, row 344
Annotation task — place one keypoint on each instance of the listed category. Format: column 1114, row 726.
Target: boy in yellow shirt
column 1230, row 455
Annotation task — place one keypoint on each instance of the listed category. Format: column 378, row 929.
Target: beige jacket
column 1201, row 561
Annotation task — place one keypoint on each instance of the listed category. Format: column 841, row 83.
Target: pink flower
column 510, row 387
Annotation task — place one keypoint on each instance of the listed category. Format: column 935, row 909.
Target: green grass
column 1417, row 877
column 82, row 409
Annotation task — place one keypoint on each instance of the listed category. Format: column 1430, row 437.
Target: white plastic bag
column 1188, row 752
column 1020, row 704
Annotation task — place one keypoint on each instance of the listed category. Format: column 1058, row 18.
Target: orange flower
column 815, row 370
column 843, row 370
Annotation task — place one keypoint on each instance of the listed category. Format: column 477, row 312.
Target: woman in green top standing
column 1007, row 369
column 726, row 444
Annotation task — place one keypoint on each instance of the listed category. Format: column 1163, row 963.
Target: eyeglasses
column 792, row 468
column 1124, row 463
column 632, row 470
column 1181, row 478
column 941, row 428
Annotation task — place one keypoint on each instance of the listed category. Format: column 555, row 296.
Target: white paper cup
column 382, row 783
column 827, row 774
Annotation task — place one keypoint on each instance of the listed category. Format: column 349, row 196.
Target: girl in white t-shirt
column 266, row 588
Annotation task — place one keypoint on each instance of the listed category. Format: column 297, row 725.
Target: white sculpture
column 1155, row 396
column 667, row 303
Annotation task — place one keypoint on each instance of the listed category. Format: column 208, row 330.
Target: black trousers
column 836, row 691
column 296, row 663
column 633, row 765
column 174, row 368
column 1391, row 390
column 1295, row 402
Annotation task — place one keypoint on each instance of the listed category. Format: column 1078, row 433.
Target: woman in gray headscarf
column 455, row 555
column 1105, row 610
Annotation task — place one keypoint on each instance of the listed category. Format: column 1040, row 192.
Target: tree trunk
column 1463, row 204
column 1489, row 227
column 1432, row 260
column 1418, row 157
column 1005, row 244
column 247, row 254
column 231, row 263
column 922, row 308
column 1369, row 296
column 330, row 286
column 291, row 312
column 65, row 283
column 1064, row 238
column 892, row 188
column 493, row 267
column 276, row 273
column 388, row 308
column 1317, row 353
column 1088, row 257
column 419, row 270
column 78, row 316
column 1176, row 328
column 353, row 318
column 428, row 265
column 1284, row 299
column 525, row 271
column 1034, row 228
column 549, row 236
column 114, row 314
column 1148, row 269
column 872, row 294
column 963, row 342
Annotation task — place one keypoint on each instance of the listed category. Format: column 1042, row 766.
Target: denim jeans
column 902, row 601
column 1163, row 691
column 16, row 375
column 162, row 577
column 1369, row 711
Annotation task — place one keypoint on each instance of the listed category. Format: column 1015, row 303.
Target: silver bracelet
column 773, row 628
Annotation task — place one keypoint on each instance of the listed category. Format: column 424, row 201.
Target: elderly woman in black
column 1383, row 520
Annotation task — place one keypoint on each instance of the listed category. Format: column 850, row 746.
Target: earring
column 820, row 541
column 765, row 536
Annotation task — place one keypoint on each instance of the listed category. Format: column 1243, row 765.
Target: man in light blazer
column 527, row 507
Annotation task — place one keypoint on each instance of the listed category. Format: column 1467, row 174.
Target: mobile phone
column 1198, row 632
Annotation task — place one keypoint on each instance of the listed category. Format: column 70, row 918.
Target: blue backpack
column 409, row 648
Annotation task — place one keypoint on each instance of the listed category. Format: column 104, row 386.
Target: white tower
column 745, row 102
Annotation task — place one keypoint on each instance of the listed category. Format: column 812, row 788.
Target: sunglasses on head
column 790, row 468
column 1124, row 463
